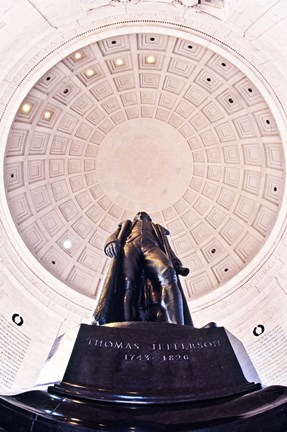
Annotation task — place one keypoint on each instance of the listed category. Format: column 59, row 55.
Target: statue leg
column 130, row 276
column 171, row 300
column 162, row 273
column 129, row 300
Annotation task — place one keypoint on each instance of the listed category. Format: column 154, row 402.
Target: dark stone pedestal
column 147, row 377
column 152, row 363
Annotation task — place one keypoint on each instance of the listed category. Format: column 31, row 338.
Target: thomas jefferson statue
column 142, row 282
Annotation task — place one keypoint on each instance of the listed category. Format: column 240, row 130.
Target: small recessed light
column 150, row 59
column 67, row 244
column 119, row 62
column 26, row 107
column 78, row 55
column 90, row 72
column 47, row 115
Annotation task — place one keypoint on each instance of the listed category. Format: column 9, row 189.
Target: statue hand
column 113, row 249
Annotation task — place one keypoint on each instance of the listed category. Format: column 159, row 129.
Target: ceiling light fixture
column 90, row 72
column 26, row 107
column 47, row 115
column 150, row 59
column 67, row 244
column 78, row 55
column 119, row 62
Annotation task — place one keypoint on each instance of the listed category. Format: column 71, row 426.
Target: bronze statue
column 142, row 282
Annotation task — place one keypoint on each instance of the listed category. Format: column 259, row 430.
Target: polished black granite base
column 147, row 377
column 148, row 363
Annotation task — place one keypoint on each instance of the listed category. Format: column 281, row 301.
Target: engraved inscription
column 112, row 344
column 163, row 357
column 14, row 345
column 186, row 345
column 162, row 352
column 140, row 357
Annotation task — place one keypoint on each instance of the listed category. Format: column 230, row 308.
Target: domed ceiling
column 144, row 122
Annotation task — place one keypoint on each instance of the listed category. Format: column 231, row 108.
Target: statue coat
column 110, row 304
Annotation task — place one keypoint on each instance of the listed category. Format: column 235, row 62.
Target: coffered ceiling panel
column 144, row 122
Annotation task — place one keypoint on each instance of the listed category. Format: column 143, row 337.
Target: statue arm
column 112, row 246
column 183, row 271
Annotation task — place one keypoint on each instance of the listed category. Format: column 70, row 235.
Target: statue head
column 142, row 216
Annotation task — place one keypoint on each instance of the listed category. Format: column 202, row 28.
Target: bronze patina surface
column 142, row 283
